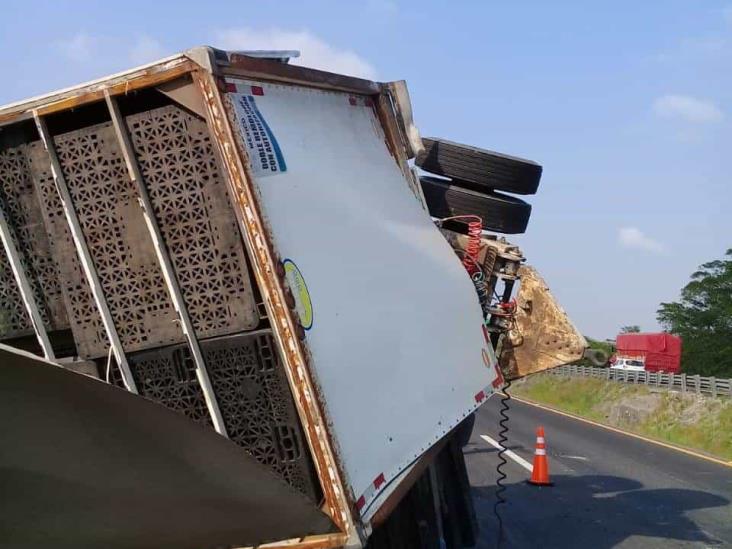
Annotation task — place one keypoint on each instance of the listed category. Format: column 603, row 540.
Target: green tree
column 631, row 329
column 703, row 319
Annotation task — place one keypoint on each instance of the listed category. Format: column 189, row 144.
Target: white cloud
column 634, row 238
column 146, row 50
column 314, row 52
column 78, row 48
column 687, row 108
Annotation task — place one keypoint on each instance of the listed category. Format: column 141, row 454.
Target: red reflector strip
column 230, row 87
column 257, row 90
column 486, row 334
column 352, row 101
column 360, row 503
column 368, row 102
column 480, row 396
column 379, row 481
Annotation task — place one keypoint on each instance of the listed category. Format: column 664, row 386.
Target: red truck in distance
column 650, row 352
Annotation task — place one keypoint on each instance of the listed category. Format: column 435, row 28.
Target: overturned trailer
column 244, row 243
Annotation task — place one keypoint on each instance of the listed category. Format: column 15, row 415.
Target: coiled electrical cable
column 502, row 441
column 478, row 278
column 472, row 247
column 475, row 231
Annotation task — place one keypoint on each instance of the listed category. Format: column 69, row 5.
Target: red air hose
column 472, row 249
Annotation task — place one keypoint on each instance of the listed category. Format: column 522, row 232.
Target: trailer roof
column 200, row 58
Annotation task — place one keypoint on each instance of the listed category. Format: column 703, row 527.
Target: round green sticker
column 300, row 292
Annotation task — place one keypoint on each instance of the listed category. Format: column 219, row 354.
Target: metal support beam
column 82, row 250
column 171, row 282
column 26, row 291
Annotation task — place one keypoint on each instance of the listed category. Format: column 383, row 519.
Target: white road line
column 518, row 459
column 581, row 458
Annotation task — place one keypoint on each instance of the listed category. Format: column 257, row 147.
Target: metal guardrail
column 676, row 382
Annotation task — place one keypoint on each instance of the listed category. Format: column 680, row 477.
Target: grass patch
column 705, row 424
column 585, row 397
column 701, row 423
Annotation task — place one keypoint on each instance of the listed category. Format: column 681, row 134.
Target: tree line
column 703, row 318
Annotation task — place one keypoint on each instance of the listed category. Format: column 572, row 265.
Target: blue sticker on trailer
column 265, row 155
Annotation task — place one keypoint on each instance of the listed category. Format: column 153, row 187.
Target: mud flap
column 84, row 464
column 544, row 336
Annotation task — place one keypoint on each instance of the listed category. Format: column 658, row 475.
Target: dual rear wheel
column 472, row 181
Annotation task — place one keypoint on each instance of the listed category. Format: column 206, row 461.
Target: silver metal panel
column 391, row 319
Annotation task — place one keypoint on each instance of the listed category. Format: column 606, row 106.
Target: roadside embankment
column 693, row 421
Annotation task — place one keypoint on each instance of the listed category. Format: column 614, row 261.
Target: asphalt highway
column 610, row 490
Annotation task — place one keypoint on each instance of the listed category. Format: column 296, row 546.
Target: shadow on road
column 593, row 511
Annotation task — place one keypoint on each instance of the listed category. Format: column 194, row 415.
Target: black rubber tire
column 500, row 213
column 479, row 169
column 597, row 357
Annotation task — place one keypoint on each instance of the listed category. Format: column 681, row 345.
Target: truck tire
column 500, row 212
column 479, row 169
column 597, row 357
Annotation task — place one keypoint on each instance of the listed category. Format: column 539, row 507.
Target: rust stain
column 321, row 541
column 382, row 107
column 147, row 77
column 387, row 118
column 273, row 71
column 273, row 291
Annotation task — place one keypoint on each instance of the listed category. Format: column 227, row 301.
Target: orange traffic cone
column 540, row 471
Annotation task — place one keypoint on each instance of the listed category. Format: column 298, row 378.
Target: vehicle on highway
column 650, row 352
column 627, row 364
column 284, row 327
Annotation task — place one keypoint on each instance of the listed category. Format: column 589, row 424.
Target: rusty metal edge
column 284, row 325
column 121, row 83
column 264, row 69
column 319, row 541
column 386, row 114
column 170, row 68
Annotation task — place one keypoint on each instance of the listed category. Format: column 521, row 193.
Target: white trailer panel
column 393, row 322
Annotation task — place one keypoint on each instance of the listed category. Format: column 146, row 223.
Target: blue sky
column 626, row 104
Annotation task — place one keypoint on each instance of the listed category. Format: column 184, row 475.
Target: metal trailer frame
column 163, row 257
column 24, row 287
column 207, row 67
column 82, row 250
